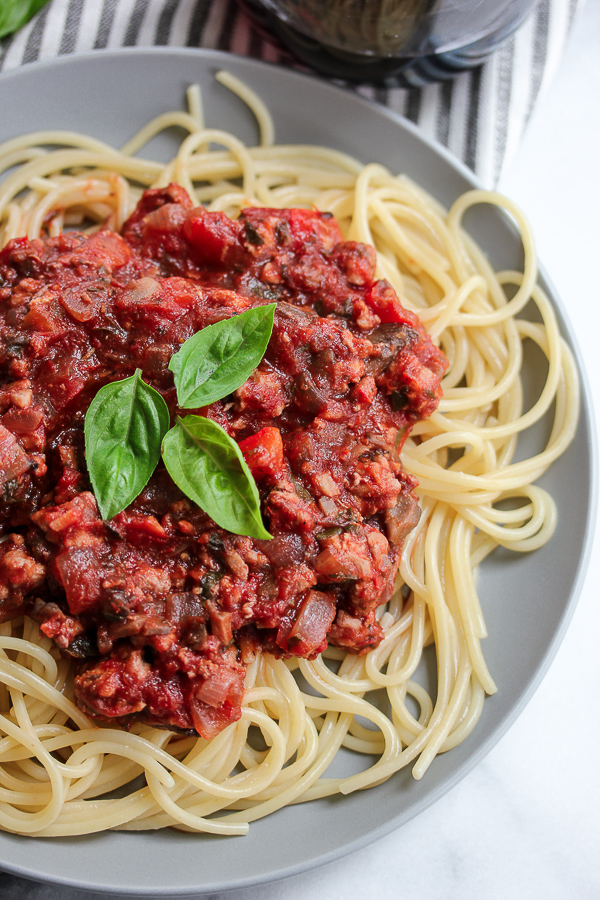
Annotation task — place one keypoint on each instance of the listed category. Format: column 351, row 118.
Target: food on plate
column 159, row 606
column 222, row 433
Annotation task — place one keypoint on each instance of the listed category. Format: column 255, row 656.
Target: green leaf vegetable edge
column 127, row 428
column 221, row 357
column 208, row 466
column 124, row 428
column 16, row 13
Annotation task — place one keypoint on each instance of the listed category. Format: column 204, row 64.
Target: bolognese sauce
column 161, row 608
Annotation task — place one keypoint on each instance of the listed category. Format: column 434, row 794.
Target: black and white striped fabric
column 479, row 117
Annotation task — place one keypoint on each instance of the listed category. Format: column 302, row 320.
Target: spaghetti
column 62, row 775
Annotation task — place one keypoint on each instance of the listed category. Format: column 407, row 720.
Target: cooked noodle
column 60, row 774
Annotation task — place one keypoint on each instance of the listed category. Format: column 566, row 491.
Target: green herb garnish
column 124, row 428
column 16, row 13
column 208, row 466
column 127, row 428
column 220, row 358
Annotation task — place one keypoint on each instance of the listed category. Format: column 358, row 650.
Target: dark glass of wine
column 409, row 42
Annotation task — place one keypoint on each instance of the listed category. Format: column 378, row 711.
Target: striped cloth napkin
column 479, row 116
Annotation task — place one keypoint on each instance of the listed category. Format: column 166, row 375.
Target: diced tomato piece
column 309, row 226
column 179, row 293
column 214, row 237
column 105, row 248
column 140, row 528
column 81, row 575
column 22, row 421
column 46, row 317
column 384, row 301
column 263, row 452
column 157, row 301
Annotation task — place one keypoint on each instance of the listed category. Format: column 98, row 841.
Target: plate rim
column 586, row 413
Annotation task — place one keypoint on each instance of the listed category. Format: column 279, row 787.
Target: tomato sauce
column 160, row 608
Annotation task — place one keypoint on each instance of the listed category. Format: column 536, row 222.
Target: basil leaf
column 221, row 357
column 208, row 466
column 124, row 427
column 16, row 13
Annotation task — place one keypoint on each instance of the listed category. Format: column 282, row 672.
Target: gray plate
column 527, row 600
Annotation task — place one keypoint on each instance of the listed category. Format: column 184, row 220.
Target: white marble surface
column 525, row 823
